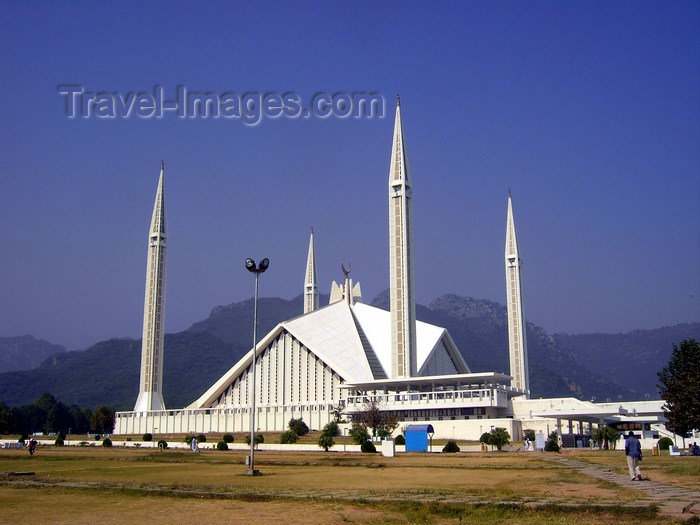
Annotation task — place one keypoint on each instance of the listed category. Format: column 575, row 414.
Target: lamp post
column 257, row 270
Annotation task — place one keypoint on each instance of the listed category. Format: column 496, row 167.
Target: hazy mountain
column 632, row 359
column 480, row 330
column 25, row 352
column 561, row 365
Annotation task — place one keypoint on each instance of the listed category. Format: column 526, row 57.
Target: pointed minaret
column 151, row 382
column 517, row 340
column 311, row 279
column 402, row 299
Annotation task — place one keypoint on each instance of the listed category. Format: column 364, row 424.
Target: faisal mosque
column 347, row 354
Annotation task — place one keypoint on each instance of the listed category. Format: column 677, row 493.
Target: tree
column 382, row 422
column 359, row 434
column 298, row 426
column 58, row 419
column 337, row 412
column 326, row 441
column 7, row 424
column 46, row 402
column 331, row 429
column 103, row 420
column 485, row 438
column 499, row 437
column 605, row 436
column 528, row 433
column 680, row 387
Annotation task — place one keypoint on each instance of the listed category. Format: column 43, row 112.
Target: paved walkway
column 673, row 501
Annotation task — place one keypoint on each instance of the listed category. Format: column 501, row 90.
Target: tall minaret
column 311, row 279
column 151, row 382
column 403, row 307
column 517, row 340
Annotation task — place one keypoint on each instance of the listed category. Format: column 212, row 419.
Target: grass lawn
column 175, row 486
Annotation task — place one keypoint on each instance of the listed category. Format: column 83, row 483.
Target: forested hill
column 107, row 373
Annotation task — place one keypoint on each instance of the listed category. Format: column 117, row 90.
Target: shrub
column 451, row 446
column 24, row 437
column 162, row 443
column 400, row 440
column 259, row 438
column 59, row 442
column 326, row 441
column 665, row 443
column 97, row 437
column 106, row 442
column 61, row 435
column 485, row 438
column 529, row 434
column 201, row 438
column 147, row 437
column 221, row 445
column 287, row 437
column 228, row 438
column 368, row 446
column 552, row 444
column 298, row 426
column 188, row 439
column 359, row 434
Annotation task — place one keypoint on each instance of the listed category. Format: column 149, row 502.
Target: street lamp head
column 250, row 265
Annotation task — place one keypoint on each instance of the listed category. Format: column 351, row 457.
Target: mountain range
column 604, row 366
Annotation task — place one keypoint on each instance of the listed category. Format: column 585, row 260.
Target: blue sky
column 588, row 111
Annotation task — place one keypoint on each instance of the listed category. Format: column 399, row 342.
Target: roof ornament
column 345, row 272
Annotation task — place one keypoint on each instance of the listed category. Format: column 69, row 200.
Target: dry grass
column 175, row 485
column 681, row 471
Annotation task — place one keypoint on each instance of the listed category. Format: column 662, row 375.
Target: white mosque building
column 347, row 354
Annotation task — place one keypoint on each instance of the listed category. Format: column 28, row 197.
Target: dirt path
column 673, row 501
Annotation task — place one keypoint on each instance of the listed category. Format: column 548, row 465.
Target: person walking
column 633, row 451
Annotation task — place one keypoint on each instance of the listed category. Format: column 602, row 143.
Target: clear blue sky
column 588, row 111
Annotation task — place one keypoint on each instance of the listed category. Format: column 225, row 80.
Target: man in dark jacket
column 633, row 451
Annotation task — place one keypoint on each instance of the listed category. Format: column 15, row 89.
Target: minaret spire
column 401, row 286
column 151, row 380
column 311, row 279
column 517, row 340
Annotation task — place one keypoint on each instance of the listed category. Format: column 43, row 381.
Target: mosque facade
column 346, row 355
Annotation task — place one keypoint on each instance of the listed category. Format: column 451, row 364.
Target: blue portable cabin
column 417, row 437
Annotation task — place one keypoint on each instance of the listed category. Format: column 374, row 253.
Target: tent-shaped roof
column 353, row 340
